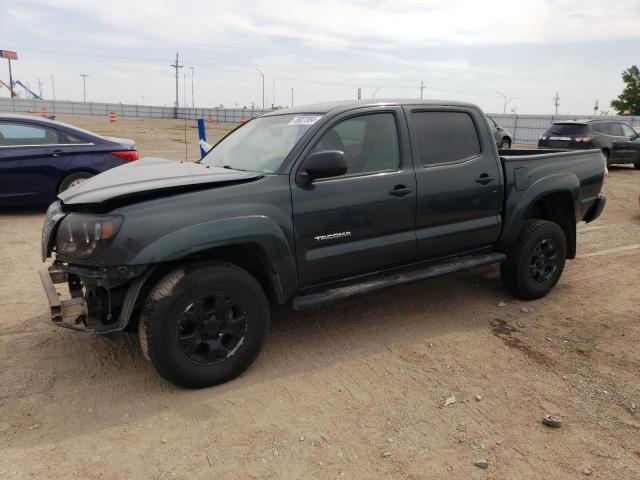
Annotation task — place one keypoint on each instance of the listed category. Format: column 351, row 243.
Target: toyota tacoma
column 306, row 206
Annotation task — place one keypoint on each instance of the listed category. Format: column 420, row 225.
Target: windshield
column 261, row 145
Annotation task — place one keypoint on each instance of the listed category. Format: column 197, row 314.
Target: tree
column 628, row 102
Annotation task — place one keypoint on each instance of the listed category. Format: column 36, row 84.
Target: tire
column 637, row 165
column 72, row 180
column 505, row 144
column 182, row 341
column 535, row 262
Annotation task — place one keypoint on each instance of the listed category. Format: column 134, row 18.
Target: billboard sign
column 9, row 54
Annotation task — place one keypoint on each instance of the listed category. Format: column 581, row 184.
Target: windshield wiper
column 228, row 167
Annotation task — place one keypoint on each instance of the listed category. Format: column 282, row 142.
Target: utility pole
column 176, row 66
column 84, row 86
column 421, row 89
column 556, row 102
column 291, row 97
column 262, row 74
column 53, row 87
column 193, row 102
column 359, row 93
column 595, row 108
column 40, row 87
column 273, row 97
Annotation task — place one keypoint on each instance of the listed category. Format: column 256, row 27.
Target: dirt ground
column 356, row 389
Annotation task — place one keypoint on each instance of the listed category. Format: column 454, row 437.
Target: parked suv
column 502, row 137
column 618, row 141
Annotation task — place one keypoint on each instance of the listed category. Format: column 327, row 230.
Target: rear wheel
column 505, row 144
column 73, row 180
column 536, row 260
column 204, row 324
column 637, row 165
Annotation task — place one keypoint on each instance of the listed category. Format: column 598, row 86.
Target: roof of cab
column 344, row 105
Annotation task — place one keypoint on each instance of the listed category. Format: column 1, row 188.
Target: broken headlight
column 82, row 236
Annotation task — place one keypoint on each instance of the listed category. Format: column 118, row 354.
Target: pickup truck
column 306, row 206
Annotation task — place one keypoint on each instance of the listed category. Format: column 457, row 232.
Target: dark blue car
column 40, row 158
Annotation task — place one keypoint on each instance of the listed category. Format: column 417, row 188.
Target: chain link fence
column 523, row 128
column 62, row 107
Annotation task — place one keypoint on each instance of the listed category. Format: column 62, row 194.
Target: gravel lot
column 356, row 389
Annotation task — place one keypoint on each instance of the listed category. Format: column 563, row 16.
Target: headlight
column 82, row 236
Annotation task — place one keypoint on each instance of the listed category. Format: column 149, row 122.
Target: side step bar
column 461, row 263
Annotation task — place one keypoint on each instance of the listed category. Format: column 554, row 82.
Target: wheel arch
column 556, row 198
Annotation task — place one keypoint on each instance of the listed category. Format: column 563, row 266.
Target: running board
column 461, row 263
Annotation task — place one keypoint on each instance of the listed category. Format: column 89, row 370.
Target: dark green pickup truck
column 306, row 206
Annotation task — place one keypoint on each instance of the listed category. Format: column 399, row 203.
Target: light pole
column 53, row 87
column 506, row 101
column 262, row 74
column 291, row 97
column 84, row 86
column 375, row 91
column 193, row 102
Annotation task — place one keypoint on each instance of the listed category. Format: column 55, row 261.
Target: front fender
column 520, row 203
column 255, row 229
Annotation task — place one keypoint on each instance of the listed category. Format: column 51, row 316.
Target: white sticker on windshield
column 304, row 120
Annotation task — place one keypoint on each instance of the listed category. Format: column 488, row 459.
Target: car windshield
column 567, row 129
column 261, row 145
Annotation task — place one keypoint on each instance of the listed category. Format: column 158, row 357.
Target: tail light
column 128, row 155
column 585, row 139
column 605, row 175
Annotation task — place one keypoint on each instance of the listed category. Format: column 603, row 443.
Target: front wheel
column 73, row 180
column 535, row 262
column 204, row 324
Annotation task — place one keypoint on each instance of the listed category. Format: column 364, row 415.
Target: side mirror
column 329, row 163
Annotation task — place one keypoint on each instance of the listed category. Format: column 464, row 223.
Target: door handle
column 484, row 179
column 400, row 191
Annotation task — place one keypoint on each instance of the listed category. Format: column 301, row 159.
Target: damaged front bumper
column 100, row 301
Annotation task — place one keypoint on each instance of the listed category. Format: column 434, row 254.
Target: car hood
column 147, row 175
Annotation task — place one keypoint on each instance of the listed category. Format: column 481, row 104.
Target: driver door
column 362, row 221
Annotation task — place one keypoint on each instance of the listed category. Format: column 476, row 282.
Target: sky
column 473, row 50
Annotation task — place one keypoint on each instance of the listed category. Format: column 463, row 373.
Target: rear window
column 604, row 128
column 567, row 129
column 444, row 137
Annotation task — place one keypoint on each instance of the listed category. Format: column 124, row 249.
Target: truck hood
column 147, row 175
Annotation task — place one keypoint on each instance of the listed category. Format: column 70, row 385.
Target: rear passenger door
column 459, row 180
column 631, row 146
column 619, row 144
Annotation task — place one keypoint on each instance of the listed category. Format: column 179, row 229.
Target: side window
column 601, row 128
column 627, row 131
column 16, row 134
column 369, row 142
column 444, row 137
column 616, row 129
